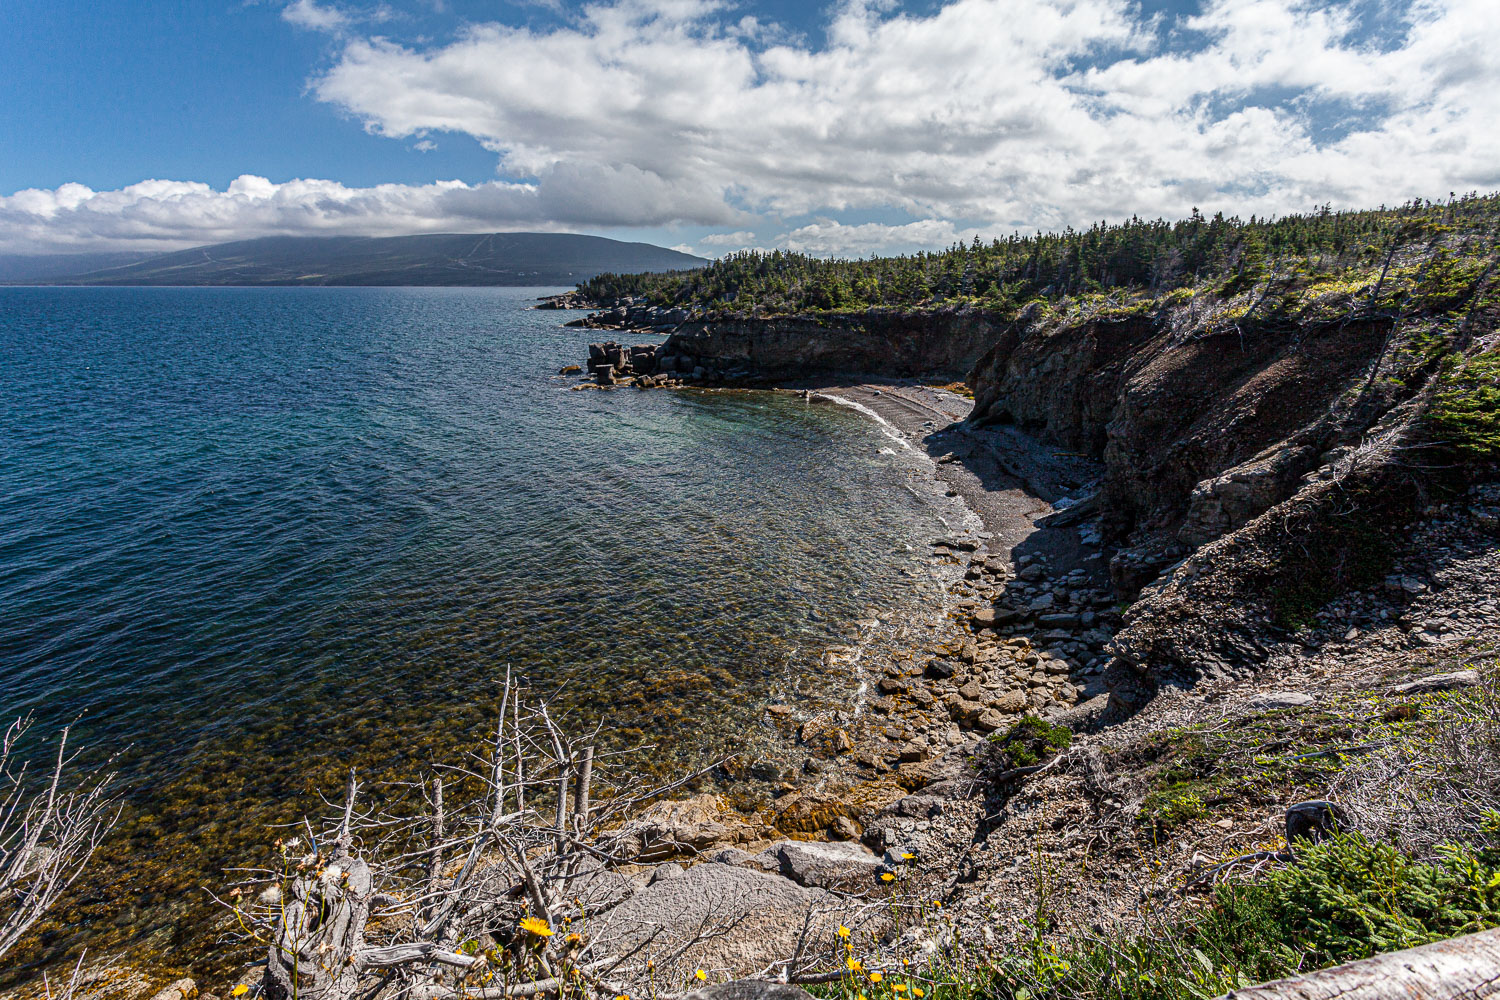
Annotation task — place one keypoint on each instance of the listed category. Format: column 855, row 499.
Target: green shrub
column 1465, row 416
column 1182, row 809
column 1344, row 899
column 1031, row 739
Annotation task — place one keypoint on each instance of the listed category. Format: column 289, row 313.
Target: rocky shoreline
column 1161, row 500
column 1024, row 630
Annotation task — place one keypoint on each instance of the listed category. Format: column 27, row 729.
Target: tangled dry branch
column 492, row 899
column 50, row 825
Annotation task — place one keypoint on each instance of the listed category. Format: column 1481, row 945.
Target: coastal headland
column 1210, row 562
column 1209, row 698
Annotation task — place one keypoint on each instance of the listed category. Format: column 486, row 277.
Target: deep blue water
column 255, row 535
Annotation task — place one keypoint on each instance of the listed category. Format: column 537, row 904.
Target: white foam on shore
column 886, row 427
column 967, row 521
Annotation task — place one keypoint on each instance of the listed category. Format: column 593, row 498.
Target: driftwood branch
column 1463, row 968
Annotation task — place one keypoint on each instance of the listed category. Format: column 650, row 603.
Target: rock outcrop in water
column 885, row 344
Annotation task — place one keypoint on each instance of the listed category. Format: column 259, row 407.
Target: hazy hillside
column 24, row 267
column 445, row 259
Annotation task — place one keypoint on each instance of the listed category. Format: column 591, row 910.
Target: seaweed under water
column 251, row 538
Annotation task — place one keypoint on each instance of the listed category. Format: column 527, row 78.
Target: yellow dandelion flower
column 907, row 856
column 573, row 938
column 876, row 977
column 906, row 961
column 843, row 931
column 537, row 926
column 701, row 976
column 917, row 992
column 937, row 904
column 887, row 877
column 853, row 964
column 898, row 987
column 239, row 990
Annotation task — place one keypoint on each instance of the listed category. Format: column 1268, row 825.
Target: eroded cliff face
column 1201, row 427
column 943, row 344
column 1256, row 464
column 1254, row 471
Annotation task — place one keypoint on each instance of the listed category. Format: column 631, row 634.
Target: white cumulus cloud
column 169, row 215
column 982, row 115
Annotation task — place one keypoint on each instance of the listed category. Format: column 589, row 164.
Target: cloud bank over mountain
column 894, row 130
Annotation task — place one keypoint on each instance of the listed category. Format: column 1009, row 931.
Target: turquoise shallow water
column 254, row 535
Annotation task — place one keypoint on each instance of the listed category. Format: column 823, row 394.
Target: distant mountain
column 446, row 259
column 24, row 267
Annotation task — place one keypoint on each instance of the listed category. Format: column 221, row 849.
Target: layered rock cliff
column 1202, row 423
column 1256, row 467
column 943, row 344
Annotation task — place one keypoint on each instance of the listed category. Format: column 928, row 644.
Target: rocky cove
column 1208, row 590
column 1186, row 518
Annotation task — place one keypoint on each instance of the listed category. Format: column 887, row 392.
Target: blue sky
column 849, row 127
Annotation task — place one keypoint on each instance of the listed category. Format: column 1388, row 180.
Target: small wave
column 886, row 427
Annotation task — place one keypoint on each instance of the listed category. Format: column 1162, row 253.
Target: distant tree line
column 1155, row 256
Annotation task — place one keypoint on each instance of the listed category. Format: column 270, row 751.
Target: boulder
column 750, row 989
column 1315, row 820
column 726, row 918
column 835, row 864
column 915, row 807
column 940, row 669
column 180, row 990
column 990, row 720
column 643, row 358
column 844, row 828
column 578, row 878
column 678, row 828
column 1010, row 702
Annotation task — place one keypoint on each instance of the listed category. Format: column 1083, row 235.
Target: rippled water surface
column 257, row 535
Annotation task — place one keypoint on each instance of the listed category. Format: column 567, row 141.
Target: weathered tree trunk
column 321, row 934
column 1462, row 968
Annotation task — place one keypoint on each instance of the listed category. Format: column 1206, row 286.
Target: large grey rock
column 1316, row 820
column 727, row 918
column 916, row 807
column 583, row 881
column 838, row 864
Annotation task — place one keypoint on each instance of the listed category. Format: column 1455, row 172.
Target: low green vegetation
column 1030, row 740
column 1344, row 899
column 1465, row 416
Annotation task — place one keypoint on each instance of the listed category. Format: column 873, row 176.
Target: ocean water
column 252, row 537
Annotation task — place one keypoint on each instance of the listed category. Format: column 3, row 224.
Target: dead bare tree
column 50, row 825
column 489, row 892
